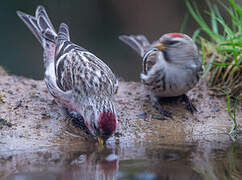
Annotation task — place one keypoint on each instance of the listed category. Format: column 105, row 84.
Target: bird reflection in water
column 99, row 164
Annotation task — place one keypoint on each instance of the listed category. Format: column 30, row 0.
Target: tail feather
column 39, row 25
column 42, row 28
column 43, row 20
column 31, row 23
column 139, row 43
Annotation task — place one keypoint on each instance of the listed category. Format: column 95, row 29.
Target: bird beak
column 160, row 46
column 100, row 140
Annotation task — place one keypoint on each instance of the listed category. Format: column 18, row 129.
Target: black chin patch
column 166, row 56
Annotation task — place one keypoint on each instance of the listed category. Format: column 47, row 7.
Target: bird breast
column 173, row 81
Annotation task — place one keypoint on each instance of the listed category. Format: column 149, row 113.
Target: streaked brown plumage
column 171, row 66
column 76, row 78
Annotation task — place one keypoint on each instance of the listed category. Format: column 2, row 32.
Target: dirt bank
column 31, row 119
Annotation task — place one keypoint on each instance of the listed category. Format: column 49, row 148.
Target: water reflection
column 95, row 165
column 90, row 163
column 214, row 162
column 198, row 161
column 166, row 162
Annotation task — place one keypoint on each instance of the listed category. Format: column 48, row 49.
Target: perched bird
column 171, row 66
column 76, row 78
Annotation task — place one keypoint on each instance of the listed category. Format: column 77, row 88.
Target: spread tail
column 139, row 43
column 40, row 25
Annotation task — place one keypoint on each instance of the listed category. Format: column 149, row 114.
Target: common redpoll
column 171, row 66
column 77, row 79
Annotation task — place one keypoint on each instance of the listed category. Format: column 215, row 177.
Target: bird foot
column 188, row 103
column 164, row 113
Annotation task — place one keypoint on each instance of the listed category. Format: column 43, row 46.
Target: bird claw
column 190, row 107
column 164, row 113
column 188, row 103
column 167, row 113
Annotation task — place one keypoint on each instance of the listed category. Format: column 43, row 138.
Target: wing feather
column 149, row 60
column 77, row 68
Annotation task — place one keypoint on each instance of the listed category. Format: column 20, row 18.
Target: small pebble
column 142, row 115
column 10, row 92
column 18, row 104
column 158, row 117
column 33, row 85
column 118, row 134
column 111, row 157
column 215, row 109
column 4, row 122
column 82, row 158
column 42, row 99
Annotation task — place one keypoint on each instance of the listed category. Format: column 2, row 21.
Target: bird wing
column 78, row 69
column 149, row 60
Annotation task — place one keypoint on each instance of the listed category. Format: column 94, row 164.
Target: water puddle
column 87, row 161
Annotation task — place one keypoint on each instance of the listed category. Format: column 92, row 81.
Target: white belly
column 176, row 83
column 50, row 73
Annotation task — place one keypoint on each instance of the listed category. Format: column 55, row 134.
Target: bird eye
column 172, row 42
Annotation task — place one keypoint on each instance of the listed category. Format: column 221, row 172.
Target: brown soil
column 33, row 120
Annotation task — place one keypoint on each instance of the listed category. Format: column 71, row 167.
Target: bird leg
column 188, row 103
column 156, row 104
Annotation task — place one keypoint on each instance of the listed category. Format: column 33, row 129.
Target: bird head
column 177, row 47
column 107, row 124
column 101, row 119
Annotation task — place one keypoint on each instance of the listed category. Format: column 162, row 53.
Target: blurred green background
column 95, row 25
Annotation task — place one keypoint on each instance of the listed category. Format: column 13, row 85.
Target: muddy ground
column 36, row 136
column 31, row 119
